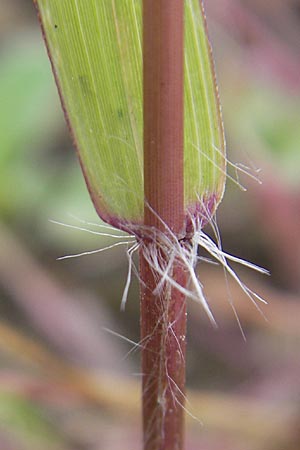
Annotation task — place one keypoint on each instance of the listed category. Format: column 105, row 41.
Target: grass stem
column 163, row 313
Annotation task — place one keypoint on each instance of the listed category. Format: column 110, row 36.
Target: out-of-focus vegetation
column 65, row 381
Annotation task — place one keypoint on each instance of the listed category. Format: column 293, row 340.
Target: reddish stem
column 163, row 333
column 163, row 111
column 163, row 315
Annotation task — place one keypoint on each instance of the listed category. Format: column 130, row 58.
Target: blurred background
column 68, row 377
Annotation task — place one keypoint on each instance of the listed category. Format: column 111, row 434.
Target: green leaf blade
column 204, row 145
column 84, row 46
column 96, row 55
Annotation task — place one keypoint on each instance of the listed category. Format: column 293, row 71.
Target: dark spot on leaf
column 55, row 26
column 85, row 85
column 120, row 113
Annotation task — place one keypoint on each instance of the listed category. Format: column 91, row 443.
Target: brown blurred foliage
column 66, row 382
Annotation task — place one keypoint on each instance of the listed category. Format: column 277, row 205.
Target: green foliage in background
column 27, row 116
column 271, row 119
column 27, row 424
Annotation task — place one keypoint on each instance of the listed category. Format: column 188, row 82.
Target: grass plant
column 138, row 89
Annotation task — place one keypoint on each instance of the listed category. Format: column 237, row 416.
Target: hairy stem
column 163, row 325
column 163, row 313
